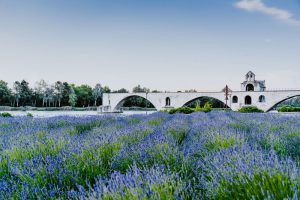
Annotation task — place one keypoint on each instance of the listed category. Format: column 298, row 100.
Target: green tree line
column 59, row 94
column 43, row 94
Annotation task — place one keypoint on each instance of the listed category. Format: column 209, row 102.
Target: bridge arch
column 273, row 106
column 221, row 102
column 124, row 99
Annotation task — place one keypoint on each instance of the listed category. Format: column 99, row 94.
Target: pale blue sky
column 161, row 44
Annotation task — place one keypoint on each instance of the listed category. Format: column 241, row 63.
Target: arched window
column 168, row 101
column 235, row 99
column 249, row 87
column 262, row 99
column 248, row 100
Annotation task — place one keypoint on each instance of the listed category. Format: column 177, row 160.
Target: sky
column 167, row 45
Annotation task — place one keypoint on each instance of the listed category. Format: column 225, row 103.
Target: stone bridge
column 253, row 93
column 264, row 100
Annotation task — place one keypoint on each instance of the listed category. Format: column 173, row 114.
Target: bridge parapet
column 283, row 89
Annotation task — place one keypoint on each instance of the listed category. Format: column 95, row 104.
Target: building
column 251, row 84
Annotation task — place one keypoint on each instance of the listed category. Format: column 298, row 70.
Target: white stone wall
column 179, row 99
column 271, row 98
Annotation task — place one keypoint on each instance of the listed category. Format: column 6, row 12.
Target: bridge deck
column 178, row 99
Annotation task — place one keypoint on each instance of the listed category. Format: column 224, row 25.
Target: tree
column 58, row 91
column 17, row 90
column 97, row 92
column 66, row 93
column 39, row 91
column 297, row 101
column 25, row 93
column 49, row 95
column 156, row 91
column 106, row 89
column 139, row 89
column 72, row 97
column 84, row 95
column 190, row 90
column 122, row 90
column 5, row 92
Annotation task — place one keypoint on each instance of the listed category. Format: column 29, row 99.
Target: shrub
column 4, row 125
column 153, row 183
column 78, row 109
column 198, row 107
column 5, row 114
column 155, row 122
column 84, row 127
column 178, row 135
column 289, row 109
column 220, row 143
column 260, row 186
column 159, row 156
column 293, row 144
column 48, row 109
column 94, row 162
column 172, row 111
column 185, row 110
column 164, row 111
column 207, row 107
column 29, row 115
column 250, row 109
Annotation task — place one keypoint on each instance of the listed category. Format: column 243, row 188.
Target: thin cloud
column 259, row 6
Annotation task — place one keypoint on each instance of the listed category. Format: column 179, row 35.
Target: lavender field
column 218, row 155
